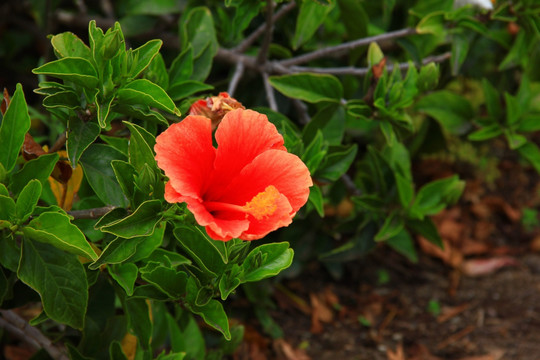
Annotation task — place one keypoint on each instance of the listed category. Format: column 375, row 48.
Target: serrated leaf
column 75, row 69
column 309, row 87
column 60, row 280
column 15, row 124
column 56, row 229
column 27, row 200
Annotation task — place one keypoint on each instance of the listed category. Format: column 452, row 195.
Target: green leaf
column 404, row 244
column 485, row 133
column 393, row 225
column 55, row 228
column 125, row 173
column 531, row 152
column 309, row 87
column 116, row 352
column 60, row 280
column 39, row 168
column 104, row 112
column 141, row 145
column 197, row 30
column 267, row 260
column 15, row 124
column 96, row 162
column 207, row 253
column 316, row 199
column 142, row 91
column 493, row 101
column 142, row 222
column 63, row 99
column 212, row 313
column 3, row 286
column 125, row 275
column 186, row 336
column 315, row 153
column 336, row 162
column 330, row 120
column 354, row 18
column 143, row 56
column 183, row 89
column 435, row 196
column 7, row 208
column 80, row 135
column 139, row 320
column 119, row 143
column 171, row 282
column 27, row 200
column 311, row 16
column 67, row 44
column 117, row 251
column 75, row 69
column 452, row 111
column 181, row 67
column 427, row 229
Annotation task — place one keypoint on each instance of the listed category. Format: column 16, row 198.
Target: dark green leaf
column 404, row 244
column 125, row 275
column 183, row 89
column 39, row 168
column 141, row 145
column 15, row 124
column 427, row 229
column 67, row 99
column 197, row 30
column 309, row 87
column 60, row 280
column 316, row 199
column 96, row 161
column 531, row 152
column 170, row 281
column 452, row 111
column 336, row 162
column 310, row 17
column 80, row 135
column 143, row 56
column 139, row 320
column 7, row 208
column 393, row 225
column 141, row 222
column 181, row 67
column 116, row 352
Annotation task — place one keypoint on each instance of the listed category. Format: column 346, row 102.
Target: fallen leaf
column 421, row 352
column 17, row 353
column 5, row 102
column 397, row 355
column 285, row 351
column 448, row 312
column 482, row 267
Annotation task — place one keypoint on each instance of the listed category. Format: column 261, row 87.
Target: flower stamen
column 264, row 203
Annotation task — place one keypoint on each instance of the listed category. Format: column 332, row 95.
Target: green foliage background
column 358, row 89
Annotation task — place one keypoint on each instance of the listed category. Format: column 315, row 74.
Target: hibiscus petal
column 285, row 171
column 185, row 152
column 259, row 228
column 241, row 136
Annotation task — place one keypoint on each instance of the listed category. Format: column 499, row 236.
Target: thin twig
column 349, row 70
column 302, row 111
column 59, row 143
column 20, row 328
column 250, row 39
column 90, row 213
column 269, row 28
column 238, row 72
column 269, row 92
column 350, row 185
column 348, row 46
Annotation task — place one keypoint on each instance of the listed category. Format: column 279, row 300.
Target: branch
column 90, row 213
column 238, row 72
column 363, row 71
column 17, row 326
column 268, row 29
column 248, row 41
column 348, row 46
column 350, row 185
column 269, row 92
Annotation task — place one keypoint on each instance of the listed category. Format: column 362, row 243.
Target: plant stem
column 91, row 213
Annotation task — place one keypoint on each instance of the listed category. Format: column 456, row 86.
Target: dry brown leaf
column 448, row 312
column 481, row 267
column 378, row 69
column 421, row 352
column 285, row 351
column 5, row 102
column 448, row 255
column 397, row 355
column 473, row 247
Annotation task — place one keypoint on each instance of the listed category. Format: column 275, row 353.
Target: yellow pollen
column 264, row 203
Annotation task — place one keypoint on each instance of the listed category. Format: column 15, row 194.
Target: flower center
column 261, row 205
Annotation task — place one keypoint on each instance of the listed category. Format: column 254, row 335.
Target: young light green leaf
column 142, row 91
column 74, row 69
column 309, row 87
column 27, row 200
column 143, row 56
column 67, row 44
column 60, row 280
column 55, row 228
column 15, row 124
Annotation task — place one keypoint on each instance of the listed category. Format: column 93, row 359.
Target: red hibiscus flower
column 215, row 107
column 246, row 187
